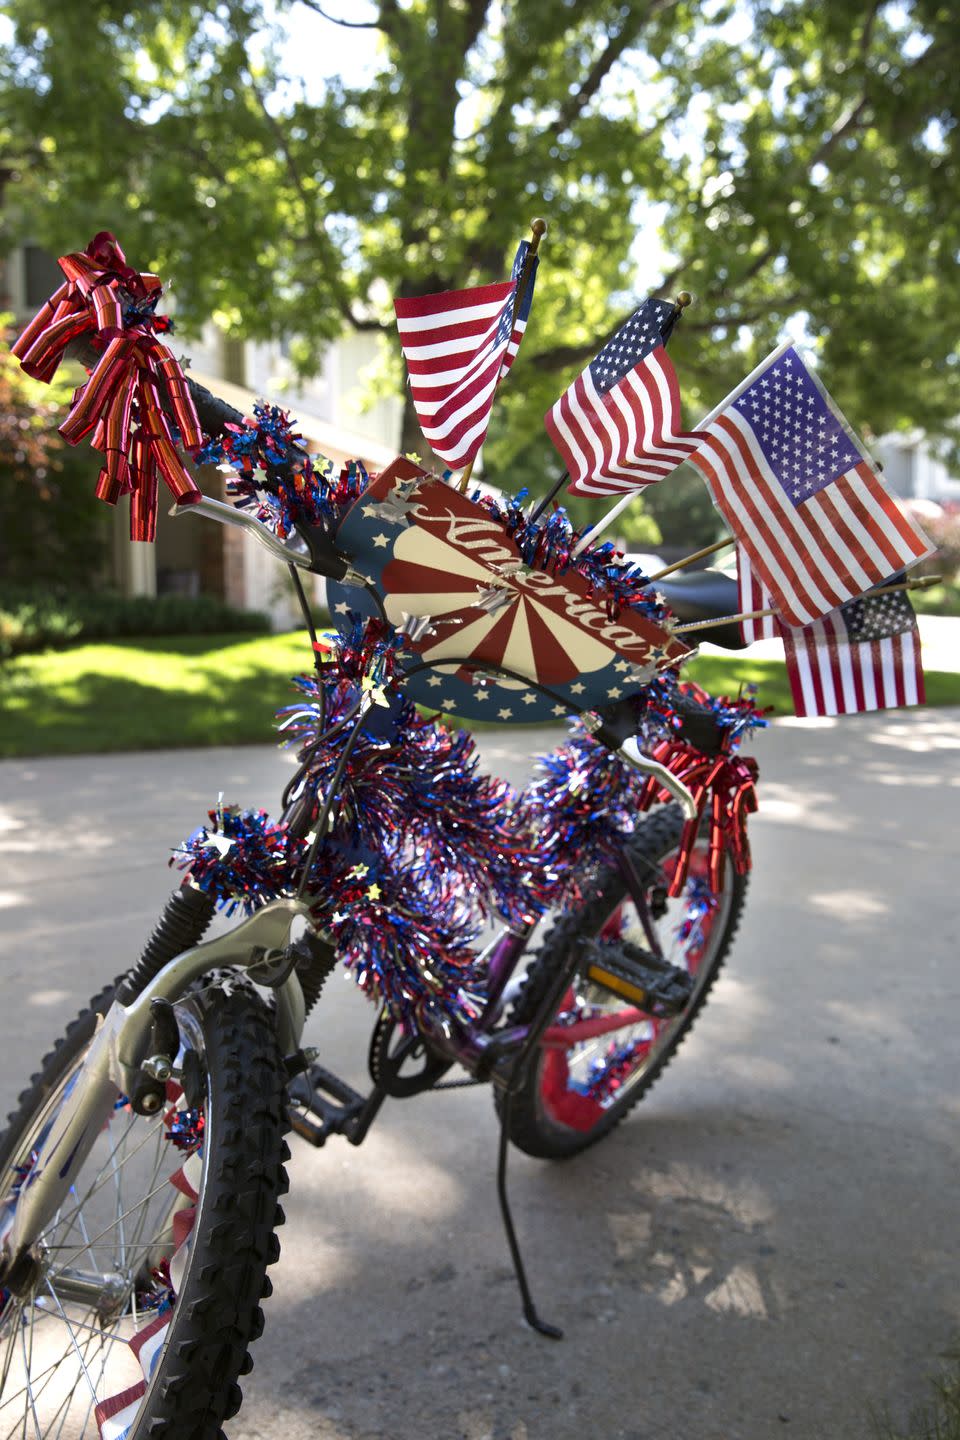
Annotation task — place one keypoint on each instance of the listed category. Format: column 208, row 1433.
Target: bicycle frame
column 119, row 1051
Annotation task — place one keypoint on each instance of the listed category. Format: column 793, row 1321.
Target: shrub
column 31, row 619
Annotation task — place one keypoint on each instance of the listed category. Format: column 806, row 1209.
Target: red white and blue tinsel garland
column 548, row 544
column 274, row 473
column 423, row 846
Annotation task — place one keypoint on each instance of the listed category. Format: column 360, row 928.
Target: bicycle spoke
column 50, row 1369
column 73, row 1340
column 11, row 1345
column 102, row 1178
column 49, row 1372
column 106, row 1230
column 27, row 1361
column 162, row 1155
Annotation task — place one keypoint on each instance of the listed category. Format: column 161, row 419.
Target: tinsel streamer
column 274, row 473
column 401, row 927
column 135, row 404
column 608, row 1072
column 241, row 858
column 548, row 544
column 578, row 807
column 585, row 798
column 416, row 787
column 407, row 935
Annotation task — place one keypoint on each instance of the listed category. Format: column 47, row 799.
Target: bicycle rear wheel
column 577, row 1091
column 147, row 1291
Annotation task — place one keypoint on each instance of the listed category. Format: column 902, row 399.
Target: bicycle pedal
column 322, row 1105
column 637, row 975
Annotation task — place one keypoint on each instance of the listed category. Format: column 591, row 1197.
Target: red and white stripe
column 626, row 437
column 449, row 341
column 833, row 675
column 845, row 539
column 752, row 596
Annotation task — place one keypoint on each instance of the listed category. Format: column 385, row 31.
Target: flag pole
column 538, row 228
column 720, row 544
column 679, row 305
column 745, row 384
column 551, row 494
column 923, row 582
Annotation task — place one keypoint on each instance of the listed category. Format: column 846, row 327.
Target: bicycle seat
column 705, row 595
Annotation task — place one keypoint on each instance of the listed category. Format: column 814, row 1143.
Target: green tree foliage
column 786, row 162
column 51, row 527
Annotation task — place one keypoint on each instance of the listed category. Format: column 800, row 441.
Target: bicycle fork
column 119, row 1061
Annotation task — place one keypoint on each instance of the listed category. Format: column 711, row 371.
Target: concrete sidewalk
column 939, row 641
column 767, row 1248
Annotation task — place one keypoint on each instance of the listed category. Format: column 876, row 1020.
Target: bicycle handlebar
column 631, row 752
column 320, row 555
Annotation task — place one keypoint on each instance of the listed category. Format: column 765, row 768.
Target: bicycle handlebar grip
column 700, row 727
column 213, row 413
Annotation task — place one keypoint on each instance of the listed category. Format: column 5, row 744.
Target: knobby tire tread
column 234, row 1241
column 652, row 840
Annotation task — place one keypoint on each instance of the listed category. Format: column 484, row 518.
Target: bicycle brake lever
column 631, row 752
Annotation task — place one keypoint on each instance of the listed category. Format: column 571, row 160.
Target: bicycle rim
column 79, row 1352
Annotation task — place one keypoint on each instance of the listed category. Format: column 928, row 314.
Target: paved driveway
column 767, row 1248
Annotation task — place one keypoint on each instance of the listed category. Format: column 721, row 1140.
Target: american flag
column 799, row 493
column 863, row 656
column 752, row 596
column 617, row 427
column 458, row 345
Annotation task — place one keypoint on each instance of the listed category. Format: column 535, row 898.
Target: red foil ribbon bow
column 728, row 782
column 136, row 394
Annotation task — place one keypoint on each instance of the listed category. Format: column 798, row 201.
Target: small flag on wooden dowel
column 863, row 656
column 458, row 345
column 798, row 490
column 617, row 427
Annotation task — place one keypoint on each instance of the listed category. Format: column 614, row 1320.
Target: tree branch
column 563, row 355
column 573, row 107
column 356, row 323
column 748, row 317
column 347, row 24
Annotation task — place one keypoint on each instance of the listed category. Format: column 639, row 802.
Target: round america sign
column 500, row 640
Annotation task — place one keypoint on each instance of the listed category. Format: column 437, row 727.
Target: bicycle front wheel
column 579, row 1088
column 146, row 1293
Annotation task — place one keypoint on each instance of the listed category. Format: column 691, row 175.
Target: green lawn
column 146, row 694
column 224, row 689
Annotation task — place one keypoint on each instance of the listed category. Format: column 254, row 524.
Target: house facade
column 914, row 469
column 192, row 554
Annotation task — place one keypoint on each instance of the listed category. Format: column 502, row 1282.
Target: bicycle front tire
column 151, row 1274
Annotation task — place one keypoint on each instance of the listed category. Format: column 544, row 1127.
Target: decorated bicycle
column 141, row 1170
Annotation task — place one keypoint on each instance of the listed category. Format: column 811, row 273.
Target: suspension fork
column 115, row 1062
